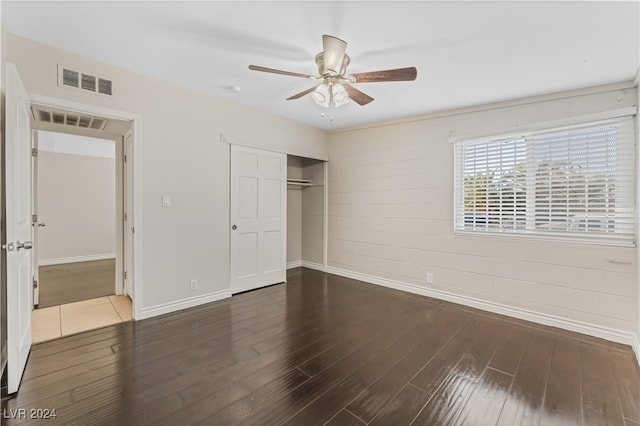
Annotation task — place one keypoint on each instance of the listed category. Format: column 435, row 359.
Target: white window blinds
column 570, row 182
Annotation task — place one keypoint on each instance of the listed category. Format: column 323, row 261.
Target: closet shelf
column 298, row 183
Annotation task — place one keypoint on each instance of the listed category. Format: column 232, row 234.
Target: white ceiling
column 61, row 143
column 466, row 53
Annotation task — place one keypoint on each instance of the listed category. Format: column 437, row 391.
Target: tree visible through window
column 569, row 182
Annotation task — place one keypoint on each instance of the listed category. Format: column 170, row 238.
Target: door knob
column 27, row 245
column 234, row 227
column 42, row 225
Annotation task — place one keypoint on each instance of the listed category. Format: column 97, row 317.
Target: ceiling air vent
column 91, row 83
column 58, row 118
column 97, row 123
column 65, row 118
column 44, row 116
column 72, row 120
column 84, row 122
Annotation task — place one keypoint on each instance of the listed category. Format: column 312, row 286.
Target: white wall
column 181, row 156
column 76, row 198
column 391, row 222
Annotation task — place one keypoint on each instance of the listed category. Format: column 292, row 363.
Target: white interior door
column 19, row 231
column 258, row 218
column 128, row 216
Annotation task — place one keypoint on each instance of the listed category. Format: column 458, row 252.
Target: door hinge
column 34, row 152
column 125, row 217
column 125, row 275
column 133, row 230
column 125, row 158
column 35, row 284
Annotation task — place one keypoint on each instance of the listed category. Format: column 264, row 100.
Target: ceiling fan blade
column 301, row 94
column 333, row 49
column 357, row 96
column 275, row 71
column 399, row 74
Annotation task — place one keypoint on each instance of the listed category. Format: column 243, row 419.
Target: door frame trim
column 120, row 190
column 136, row 131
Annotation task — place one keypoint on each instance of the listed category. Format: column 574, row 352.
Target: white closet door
column 258, row 218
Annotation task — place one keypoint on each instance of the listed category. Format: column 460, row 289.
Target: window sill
column 546, row 238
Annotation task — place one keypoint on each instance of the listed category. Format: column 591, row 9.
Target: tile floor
column 57, row 321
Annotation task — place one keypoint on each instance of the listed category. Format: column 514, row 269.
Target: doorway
column 18, row 230
column 75, row 201
column 79, row 208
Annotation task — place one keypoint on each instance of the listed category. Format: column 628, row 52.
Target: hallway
column 71, row 318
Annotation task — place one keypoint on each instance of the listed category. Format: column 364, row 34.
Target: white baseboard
column 166, row 308
column 607, row 333
column 294, row 264
column 313, row 265
column 89, row 258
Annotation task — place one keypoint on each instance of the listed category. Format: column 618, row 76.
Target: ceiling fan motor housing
column 325, row 70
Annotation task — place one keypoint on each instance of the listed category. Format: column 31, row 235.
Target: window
column 573, row 182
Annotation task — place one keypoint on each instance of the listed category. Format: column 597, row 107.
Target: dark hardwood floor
column 73, row 282
column 329, row 350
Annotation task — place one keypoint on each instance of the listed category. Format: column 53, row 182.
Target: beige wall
column 391, row 220
column 294, row 212
column 313, row 213
column 181, row 156
column 305, row 212
column 77, row 202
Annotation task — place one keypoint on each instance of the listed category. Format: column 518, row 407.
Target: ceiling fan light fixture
column 321, row 95
column 339, row 94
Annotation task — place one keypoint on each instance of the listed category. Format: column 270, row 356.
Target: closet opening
column 306, row 212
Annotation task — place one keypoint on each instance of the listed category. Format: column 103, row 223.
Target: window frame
column 628, row 209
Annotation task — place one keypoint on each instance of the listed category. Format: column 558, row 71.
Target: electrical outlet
column 429, row 278
column 194, row 285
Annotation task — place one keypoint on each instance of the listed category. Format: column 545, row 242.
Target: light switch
column 166, row 201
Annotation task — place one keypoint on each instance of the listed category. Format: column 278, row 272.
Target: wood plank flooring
column 73, row 282
column 323, row 349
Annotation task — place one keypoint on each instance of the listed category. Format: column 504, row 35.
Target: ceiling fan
column 336, row 84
